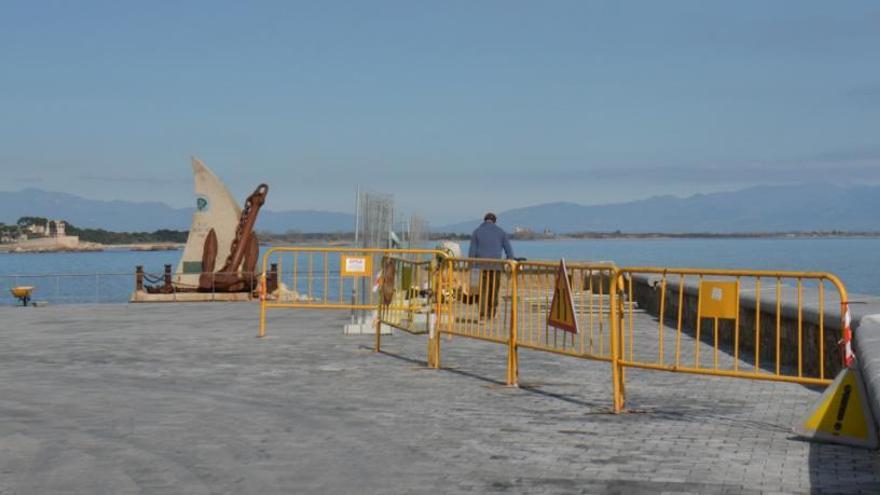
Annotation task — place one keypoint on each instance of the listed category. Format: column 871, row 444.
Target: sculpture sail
column 215, row 209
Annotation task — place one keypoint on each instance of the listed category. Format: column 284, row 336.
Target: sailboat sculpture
column 220, row 232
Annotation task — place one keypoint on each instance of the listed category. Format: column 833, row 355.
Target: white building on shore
column 51, row 235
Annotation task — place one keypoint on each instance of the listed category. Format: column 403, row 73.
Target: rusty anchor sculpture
column 243, row 254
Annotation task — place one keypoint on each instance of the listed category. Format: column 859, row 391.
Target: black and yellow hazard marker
column 842, row 414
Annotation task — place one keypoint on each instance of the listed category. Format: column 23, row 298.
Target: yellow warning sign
column 842, row 414
column 719, row 299
column 561, row 314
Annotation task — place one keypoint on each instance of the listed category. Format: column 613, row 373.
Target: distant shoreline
column 709, row 235
column 347, row 238
column 337, row 239
column 89, row 247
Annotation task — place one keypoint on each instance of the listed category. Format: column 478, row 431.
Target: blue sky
column 455, row 107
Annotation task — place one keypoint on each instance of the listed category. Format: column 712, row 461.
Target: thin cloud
column 865, row 92
column 153, row 181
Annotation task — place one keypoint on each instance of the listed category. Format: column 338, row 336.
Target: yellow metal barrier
column 730, row 323
column 592, row 294
column 594, row 298
column 699, row 321
column 325, row 277
column 409, row 297
column 478, row 299
column 406, row 290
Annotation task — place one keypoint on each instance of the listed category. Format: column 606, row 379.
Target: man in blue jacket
column 488, row 241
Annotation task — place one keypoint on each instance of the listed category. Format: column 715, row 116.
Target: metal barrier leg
column 616, row 369
column 513, row 349
column 432, row 351
column 262, row 319
column 513, row 365
column 262, row 306
column 436, row 361
column 378, row 345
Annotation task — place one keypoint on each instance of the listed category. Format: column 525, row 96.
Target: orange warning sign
column 561, row 314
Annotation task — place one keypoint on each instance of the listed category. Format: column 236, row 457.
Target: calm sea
column 855, row 260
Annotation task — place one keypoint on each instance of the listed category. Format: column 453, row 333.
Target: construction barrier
column 568, row 309
column 326, row 278
column 478, row 301
column 730, row 323
column 591, row 297
column 406, row 288
column 784, row 326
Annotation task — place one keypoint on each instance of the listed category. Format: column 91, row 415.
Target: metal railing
column 79, row 288
column 406, row 289
column 752, row 324
column 735, row 321
column 186, row 286
column 592, row 300
column 478, row 302
column 70, row 288
column 327, row 277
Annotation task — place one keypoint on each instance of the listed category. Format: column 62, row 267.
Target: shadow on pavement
column 842, row 469
column 499, row 383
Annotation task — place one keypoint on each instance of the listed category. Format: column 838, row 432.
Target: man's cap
column 490, row 217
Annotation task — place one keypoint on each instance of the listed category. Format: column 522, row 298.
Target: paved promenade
column 183, row 399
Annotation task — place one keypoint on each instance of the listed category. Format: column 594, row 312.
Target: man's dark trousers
column 489, row 282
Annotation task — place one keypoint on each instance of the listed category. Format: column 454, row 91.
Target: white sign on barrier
column 356, row 266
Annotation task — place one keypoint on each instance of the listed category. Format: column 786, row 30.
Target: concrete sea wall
column 867, row 347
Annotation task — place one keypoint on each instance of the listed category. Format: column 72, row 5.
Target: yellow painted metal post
column 435, row 348
column 378, row 345
column 444, row 284
column 513, row 350
column 661, row 320
column 621, row 325
column 616, row 378
column 262, row 304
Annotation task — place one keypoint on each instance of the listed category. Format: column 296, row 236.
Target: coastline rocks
column 81, row 247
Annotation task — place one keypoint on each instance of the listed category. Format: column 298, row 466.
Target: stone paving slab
column 183, row 399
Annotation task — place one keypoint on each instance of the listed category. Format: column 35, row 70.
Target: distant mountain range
column 811, row 207
column 127, row 216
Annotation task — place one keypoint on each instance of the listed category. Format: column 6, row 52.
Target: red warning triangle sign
column 562, row 314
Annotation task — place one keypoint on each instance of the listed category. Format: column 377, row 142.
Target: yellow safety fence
column 406, row 293
column 766, row 325
column 508, row 303
column 478, row 300
column 593, row 300
column 326, row 277
column 731, row 323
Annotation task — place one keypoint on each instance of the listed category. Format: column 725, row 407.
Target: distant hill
column 756, row 209
column 128, row 216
